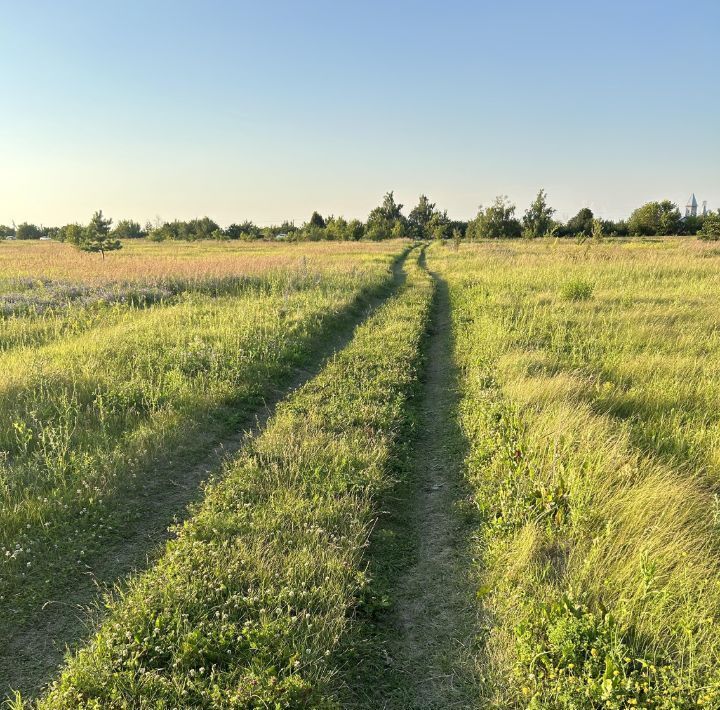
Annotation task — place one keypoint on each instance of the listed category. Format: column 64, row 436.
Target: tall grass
column 198, row 262
column 595, row 435
column 88, row 418
column 48, row 290
column 248, row 604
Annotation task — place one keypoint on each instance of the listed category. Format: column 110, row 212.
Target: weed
column 577, row 290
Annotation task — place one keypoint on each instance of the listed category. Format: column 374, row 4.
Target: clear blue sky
column 269, row 110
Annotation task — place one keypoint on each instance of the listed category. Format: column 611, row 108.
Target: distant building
column 691, row 208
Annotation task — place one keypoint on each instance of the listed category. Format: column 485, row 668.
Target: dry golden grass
column 140, row 260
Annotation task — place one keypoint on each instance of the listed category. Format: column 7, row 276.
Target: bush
column 28, row 231
column 495, row 222
column 128, row 229
column 577, row 290
column 655, row 219
column 711, row 227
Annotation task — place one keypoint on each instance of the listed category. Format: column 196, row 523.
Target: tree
column 616, row 229
column 128, row 229
column 655, row 218
column 96, row 236
column 28, row 231
column 288, row 229
column 670, row 219
column 157, row 233
column 70, row 233
column 203, row 228
column 285, row 228
column 420, row 216
column 315, row 229
column 692, row 224
column 438, row 227
column 711, row 227
column 246, row 230
column 316, row 220
column 166, row 230
column 355, row 230
column 383, row 221
column 6, row 231
column 460, row 225
column 389, row 210
column 399, row 230
column 581, row 223
column 537, row 221
column 456, row 237
column 312, row 233
column 339, row 228
column 495, row 222
column 598, row 230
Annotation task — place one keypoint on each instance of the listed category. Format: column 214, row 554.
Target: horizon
column 237, row 111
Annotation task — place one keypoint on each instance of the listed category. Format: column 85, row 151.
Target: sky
column 269, row 110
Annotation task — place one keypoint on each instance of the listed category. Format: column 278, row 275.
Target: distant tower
column 704, row 212
column 691, row 207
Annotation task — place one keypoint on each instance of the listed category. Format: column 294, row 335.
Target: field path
column 432, row 632
column 30, row 654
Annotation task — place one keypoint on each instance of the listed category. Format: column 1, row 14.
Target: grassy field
column 96, row 420
column 49, row 289
column 248, row 604
column 144, row 262
column 591, row 376
column 488, row 477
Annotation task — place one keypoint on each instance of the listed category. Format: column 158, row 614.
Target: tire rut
column 434, row 627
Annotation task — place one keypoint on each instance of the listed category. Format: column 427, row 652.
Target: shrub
column 655, row 219
column 577, row 290
column 711, row 227
column 495, row 222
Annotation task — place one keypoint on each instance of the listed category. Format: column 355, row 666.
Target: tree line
column 651, row 219
column 388, row 221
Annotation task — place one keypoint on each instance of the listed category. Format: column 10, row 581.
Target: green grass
column 89, row 420
column 589, row 440
column 247, row 606
column 594, row 433
column 413, row 640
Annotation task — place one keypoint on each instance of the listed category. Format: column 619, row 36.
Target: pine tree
column 96, row 236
